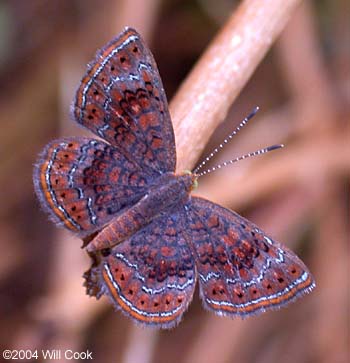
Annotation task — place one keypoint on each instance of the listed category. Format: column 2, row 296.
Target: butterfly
column 150, row 240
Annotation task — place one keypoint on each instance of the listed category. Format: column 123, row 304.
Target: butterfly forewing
column 121, row 99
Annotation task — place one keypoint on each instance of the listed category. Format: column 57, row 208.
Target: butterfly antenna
column 229, row 138
column 249, row 155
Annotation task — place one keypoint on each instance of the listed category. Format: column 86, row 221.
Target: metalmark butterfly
column 150, row 241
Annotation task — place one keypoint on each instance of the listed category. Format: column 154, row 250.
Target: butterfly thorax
column 168, row 190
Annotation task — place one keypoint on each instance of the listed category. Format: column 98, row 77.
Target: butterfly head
column 190, row 179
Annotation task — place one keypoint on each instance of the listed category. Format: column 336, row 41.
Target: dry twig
column 204, row 98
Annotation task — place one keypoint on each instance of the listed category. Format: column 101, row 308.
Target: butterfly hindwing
column 240, row 270
column 151, row 275
column 82, row 183
column 121, row 99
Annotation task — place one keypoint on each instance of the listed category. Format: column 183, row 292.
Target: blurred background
column 299, row 195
